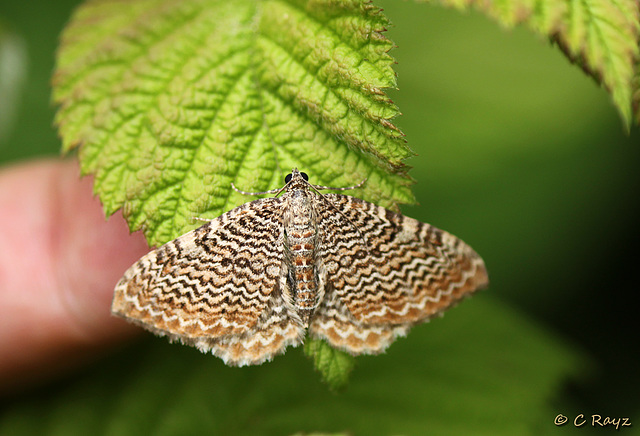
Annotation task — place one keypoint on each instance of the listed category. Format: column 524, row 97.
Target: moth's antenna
column 348, row 188
column 271, row 191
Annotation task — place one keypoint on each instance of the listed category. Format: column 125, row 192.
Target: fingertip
column 59, row 264
column 94, row 253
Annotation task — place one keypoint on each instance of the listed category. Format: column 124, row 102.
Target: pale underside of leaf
column 599, row 35
column 169, row 102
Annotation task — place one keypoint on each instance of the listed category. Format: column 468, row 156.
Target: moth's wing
column 216, row 287
column 388, row 269
column 276, row 329
column 333, row 323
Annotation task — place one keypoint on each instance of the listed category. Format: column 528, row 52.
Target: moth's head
column 295, row 176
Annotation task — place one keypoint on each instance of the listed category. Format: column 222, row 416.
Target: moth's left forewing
column 445, row 271
column 391, row 269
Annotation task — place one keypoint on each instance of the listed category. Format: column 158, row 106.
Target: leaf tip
column 334, row 365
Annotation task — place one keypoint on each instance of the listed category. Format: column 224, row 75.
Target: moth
column 263, row 276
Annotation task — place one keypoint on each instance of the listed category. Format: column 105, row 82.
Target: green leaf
column 334, row 365
column 170, row 101
column 601, row 36
column 484, row 369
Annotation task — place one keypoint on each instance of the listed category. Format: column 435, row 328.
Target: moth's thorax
column 300, row 240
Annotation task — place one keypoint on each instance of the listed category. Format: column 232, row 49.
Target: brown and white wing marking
column 217, row 287
column 333, row 322
column 387, row 272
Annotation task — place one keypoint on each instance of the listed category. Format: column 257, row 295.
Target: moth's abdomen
column 301, row 245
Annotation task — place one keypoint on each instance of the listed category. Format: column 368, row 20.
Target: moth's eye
column 287, row 179
column 304, row 176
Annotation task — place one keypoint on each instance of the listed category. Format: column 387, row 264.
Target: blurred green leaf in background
column 520, row 154
column 12, row 77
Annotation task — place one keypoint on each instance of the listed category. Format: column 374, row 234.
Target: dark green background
column 520, row 154
column 525, row 157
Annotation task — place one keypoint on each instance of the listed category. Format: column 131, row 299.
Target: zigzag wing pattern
column 245, row 285
column 333, row 323
column 389, row 271
column 217, row 287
